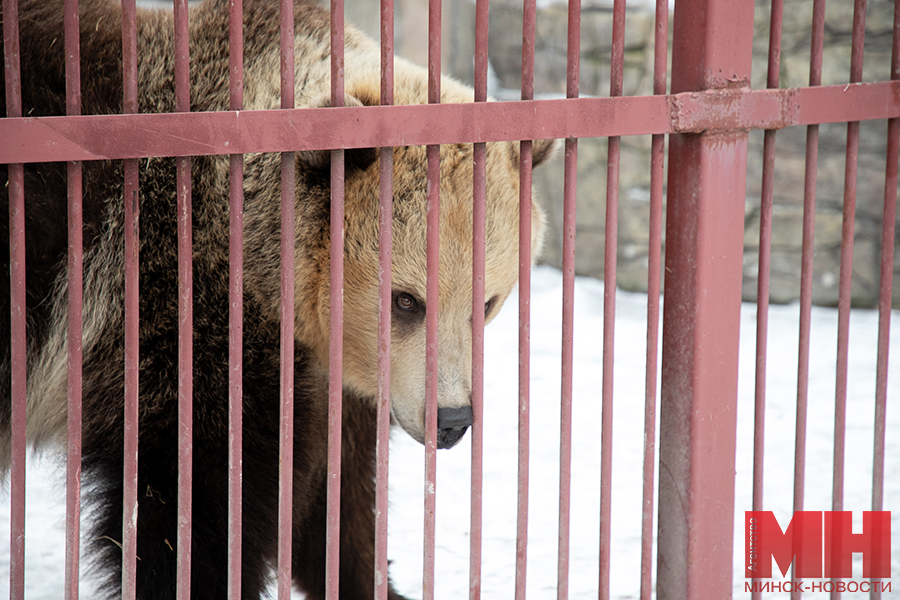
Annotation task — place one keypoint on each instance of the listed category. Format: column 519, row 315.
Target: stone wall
column 550, row 70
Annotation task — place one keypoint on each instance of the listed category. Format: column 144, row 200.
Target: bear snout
column 452, row 424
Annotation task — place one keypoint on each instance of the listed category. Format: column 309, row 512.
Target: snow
column 45, row 536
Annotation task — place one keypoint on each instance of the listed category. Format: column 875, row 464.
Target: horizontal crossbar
column 102, row 137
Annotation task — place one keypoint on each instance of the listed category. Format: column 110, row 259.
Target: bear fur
column 43, row 86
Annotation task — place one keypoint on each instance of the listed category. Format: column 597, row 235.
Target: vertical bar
column 18, row 340
column 73, row 427
column 75, row 285
column 18, row 365
column 431, row 365
column 335, row 385
column 654, row 255
column 846, row 269
column 286, row 421
column 286, row 386
column 130, row 497
column 570, row 183
column 568, row 323
column 806, row 264
column 433, row 156
column 609, row 302
column 131, row 308
column 525, row 164
column 185, row 381
column 889, row 217
column 477, row 474
column 235, row 308
column 479, row 219
column 765, row 256
column 712, row 48
column 524, row 364
column 382, row 447
column 185, row 315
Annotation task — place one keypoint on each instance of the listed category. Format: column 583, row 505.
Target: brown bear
column 43, row 85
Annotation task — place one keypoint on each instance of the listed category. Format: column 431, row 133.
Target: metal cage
column 705, row 108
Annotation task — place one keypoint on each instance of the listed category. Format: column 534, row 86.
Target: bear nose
column 452, row 424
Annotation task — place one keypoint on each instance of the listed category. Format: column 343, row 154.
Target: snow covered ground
column 45, row 512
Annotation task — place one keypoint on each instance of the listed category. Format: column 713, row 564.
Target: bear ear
column 317, row 163
column 541, row 152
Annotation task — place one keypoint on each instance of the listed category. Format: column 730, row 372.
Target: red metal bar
column 73, row 57
column 235, row 386
column 431, row 302
column 286, row 358
column 11, row 62
column 185, row 379
column 846, row 269
column 131, row 308
column 235, row 308
column 712, row 48
column 286, row 415
column 609, row 301
column 18, row 339
column 75, row 288
column 132, row 338
column 18, row 369
column 806, row 266
column 335, row 394
column 479, row 219
column 18, row 363
column 236, row 54
column 654, row 258
column 431, row 366
column 568, row 324
column 129, row 57
column 765, row 256
column 657, row 165
column 132, row 304
column 570, row 182
column 382, row 448
column 337, row 53
column 185, row 315
column 525, row 164
column 884, row 311
column 73, row 427
column 434, row 52
column 889, row 217
column 101, row 137
column 482, row 14
column 478, row 294
column 182, row 58
column 336, row 331
column 529, row 17
column 609, row 319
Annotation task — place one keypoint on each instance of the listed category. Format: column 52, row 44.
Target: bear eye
column 489, row 306
column 406, row 303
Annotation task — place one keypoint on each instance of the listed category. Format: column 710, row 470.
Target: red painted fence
column 706, row 115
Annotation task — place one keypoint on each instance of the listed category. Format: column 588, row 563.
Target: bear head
column 409, row 270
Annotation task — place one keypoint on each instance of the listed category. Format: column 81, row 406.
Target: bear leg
column 357, row 568
column 157, row 535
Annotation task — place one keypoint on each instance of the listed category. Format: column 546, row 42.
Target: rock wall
column 550, row 69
